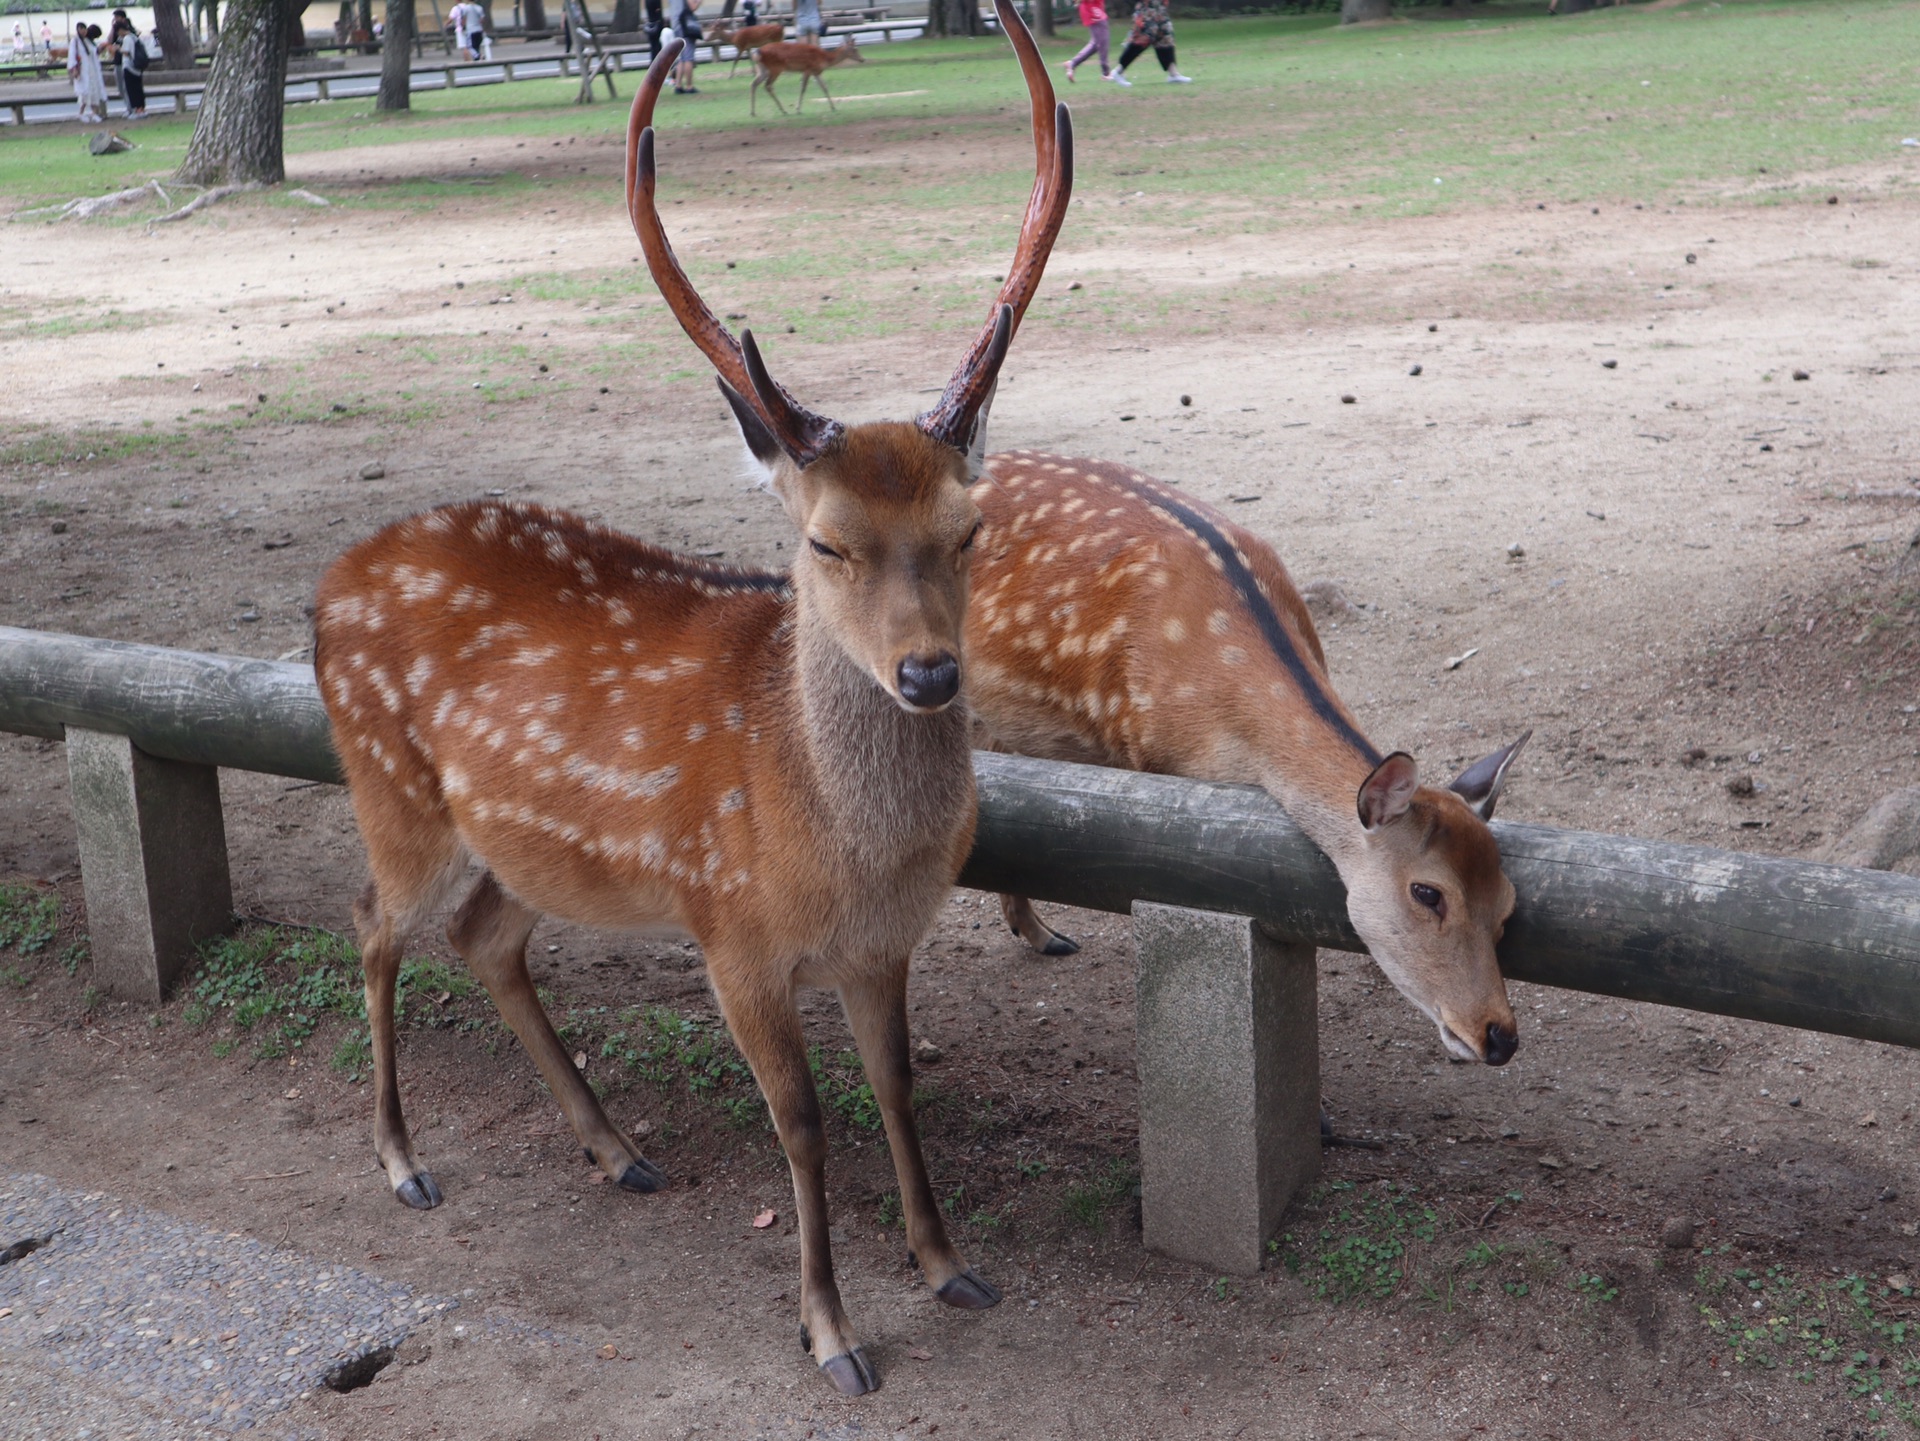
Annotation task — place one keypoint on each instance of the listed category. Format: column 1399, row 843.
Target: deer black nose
column 929, row 682
column 1501, row 1044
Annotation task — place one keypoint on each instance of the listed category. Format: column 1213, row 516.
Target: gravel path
column 131, row 1324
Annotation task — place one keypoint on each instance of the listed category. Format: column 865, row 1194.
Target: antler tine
column 951, row 420
column 802, row 434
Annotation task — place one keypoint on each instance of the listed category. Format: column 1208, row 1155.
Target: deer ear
column 753, row 430
column 1479, row 784
column 977, row 442
column 1386, row 794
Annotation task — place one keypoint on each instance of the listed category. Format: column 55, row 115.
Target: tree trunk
column 1355, row 12
column 626, row 17
column 534, row 14
column 171, row 27
column 396, row 58
column 363, row 16
column 296, row 12
column 1043, row 17
column 237, row 138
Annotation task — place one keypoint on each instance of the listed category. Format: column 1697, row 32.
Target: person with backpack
column 1152, row 28
column 130, row 60
column 687, row 26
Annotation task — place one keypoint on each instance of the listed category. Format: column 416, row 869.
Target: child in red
column 1093, row 15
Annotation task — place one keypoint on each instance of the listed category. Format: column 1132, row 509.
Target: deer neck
column 1317, row 778
column 890, row 782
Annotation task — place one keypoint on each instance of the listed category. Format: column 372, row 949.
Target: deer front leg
column 1024, row 921
column 821, row 81
column 766, row 1026
column 876, row 1007
column 490, row 931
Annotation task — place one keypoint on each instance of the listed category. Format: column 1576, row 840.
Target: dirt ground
column 1698, row 594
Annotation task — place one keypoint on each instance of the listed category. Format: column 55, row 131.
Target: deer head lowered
column 1119, row 621
column 628, row 738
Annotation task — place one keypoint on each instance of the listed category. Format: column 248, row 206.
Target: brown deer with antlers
column 629, row 738
column 1117, row 621
column 809, row 62
column 744, row 40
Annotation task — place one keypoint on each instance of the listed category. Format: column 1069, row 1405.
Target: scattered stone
column 1414, row 371
column 1609, row 365
column 1432, row 328
column 1074, row 286
column 1127, row 417
column 928, row 1054
column 1516, row 551
column 1553, row 1163
column 1833, row 200
column 59, row 527
column 373, row 470
column 1900, row 1281
column 1872, row 1118
column 1888, row 1194
column 1186, row 400
column 1741, row 785
column 1802, row 375
column 1349, row 400
column 1598, row 514
column 1692, row 259
column 1794, row 1103
column 1327, row 598
column 1677, row 1234
column 248, row 617
column 1768, row 446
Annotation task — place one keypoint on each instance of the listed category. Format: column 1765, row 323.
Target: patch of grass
column 843, row 1089
column 60, row 327
column 1595, row 1287
column 15, row 977
column 1088, row 1203
column 29, row 919
column 1361, row 1248
column 1859, row 1334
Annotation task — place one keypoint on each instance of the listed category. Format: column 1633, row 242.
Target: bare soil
column 1696, row 597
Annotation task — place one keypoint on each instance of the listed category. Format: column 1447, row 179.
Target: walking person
column 1152, row 27
column 687, row 26
column 1093, row 15
column 83, row 68
column 130, row 63
column 808, row 27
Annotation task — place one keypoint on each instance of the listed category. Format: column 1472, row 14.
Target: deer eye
column 822, row 549
column 1431, row 898
column 972, row 535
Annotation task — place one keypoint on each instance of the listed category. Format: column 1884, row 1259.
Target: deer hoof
column 969, row 1291
column 642, row 1176
column 1059, row 945
column 852, row 1373
column 419, row 1191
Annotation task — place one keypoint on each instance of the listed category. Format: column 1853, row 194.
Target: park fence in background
column 1229, row 901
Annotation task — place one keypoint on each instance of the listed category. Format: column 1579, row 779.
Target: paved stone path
column 129, row 1323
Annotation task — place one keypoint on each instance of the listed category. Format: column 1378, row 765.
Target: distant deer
column 791, row 57
column 628, row 738
column 1119, row 622
column 744, row 40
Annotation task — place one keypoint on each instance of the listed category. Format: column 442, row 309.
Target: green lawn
column 1624, row 104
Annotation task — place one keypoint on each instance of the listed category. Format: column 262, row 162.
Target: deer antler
column 803, row 435
column 952, row 419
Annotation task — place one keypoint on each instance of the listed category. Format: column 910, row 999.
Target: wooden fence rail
column 1819, row 947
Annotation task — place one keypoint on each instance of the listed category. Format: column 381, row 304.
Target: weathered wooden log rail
column 1226, row 1002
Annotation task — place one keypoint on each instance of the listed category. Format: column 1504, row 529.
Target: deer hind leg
column 876, row 1008
column 490, row 931
column 416, row 859
column 766, row 1026
column 1024, row 921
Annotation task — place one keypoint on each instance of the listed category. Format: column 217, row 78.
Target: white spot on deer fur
column 469, row 597
column 340, row 690
column 534, row 654
column 1217, row 622
column 1232, row 655
column 1175, row 630
column 417, row 585
column 382, row 682
column 555, row 546
column 735, row 717
column 633, row 738
column 697, row 731
column 619, row 612
column 344, row 610
column 454, row 781
column 418, row 674
column 488, row 526
column 732, row 801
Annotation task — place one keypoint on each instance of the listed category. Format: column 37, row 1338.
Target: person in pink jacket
column 1093, row 15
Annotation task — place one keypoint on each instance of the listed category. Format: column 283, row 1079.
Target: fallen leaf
column 1900, row 1281
column 764, row 1219
column 1872, row 1118
column 1456, row 661
column 919, row 1353
column 293, row 1093
column 579, row 1060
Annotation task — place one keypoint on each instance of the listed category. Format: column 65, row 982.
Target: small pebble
column 1432, row 328
column 1609, row 365
column 1349, row 400
column 928, row 1053
column 1186, row 400
column 373, row 470
column 1516, row 551
column 1741, row 785
column 59, row 527
column 1414, row 371
column 1677, row 1234
column 1801, row 375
